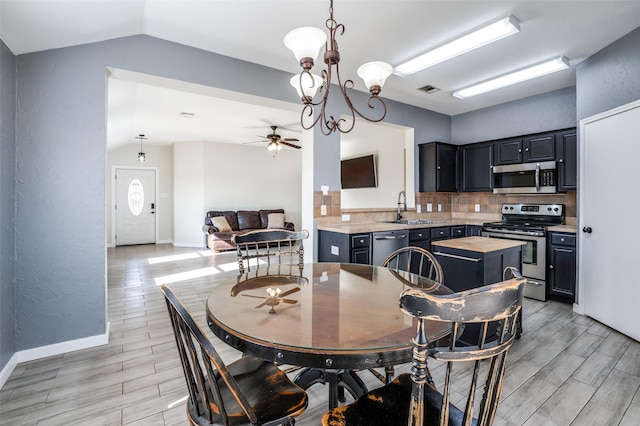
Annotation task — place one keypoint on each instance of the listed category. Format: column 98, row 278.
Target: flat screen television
column 358, row 172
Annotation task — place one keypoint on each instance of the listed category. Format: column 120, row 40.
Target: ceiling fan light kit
column 305, row 42
column 538, row 70
column 488, row 34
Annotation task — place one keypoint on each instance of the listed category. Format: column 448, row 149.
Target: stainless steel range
column 528, row 223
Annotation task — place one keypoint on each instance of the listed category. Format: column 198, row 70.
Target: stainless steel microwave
column 525, row 178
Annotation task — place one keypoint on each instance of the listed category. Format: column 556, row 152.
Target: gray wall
column 7, row 203
column 548, row 111
column 610, row 78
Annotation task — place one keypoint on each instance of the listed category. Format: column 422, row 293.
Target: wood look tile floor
column 565, row 370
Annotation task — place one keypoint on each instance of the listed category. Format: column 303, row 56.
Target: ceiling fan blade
column 290, row 301
column 291, row 140
column 257, row 297
column 261, row 305
column 288, row 292
column 290, row 144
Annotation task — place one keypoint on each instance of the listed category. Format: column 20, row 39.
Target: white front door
column 135, row 206
column 608, row 211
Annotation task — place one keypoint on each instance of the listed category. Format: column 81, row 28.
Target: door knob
column 587, row 229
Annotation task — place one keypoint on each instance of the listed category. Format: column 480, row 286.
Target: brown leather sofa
column 240, row 221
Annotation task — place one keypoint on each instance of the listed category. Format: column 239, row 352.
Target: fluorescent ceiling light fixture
column 534, row 71
column 478, row 38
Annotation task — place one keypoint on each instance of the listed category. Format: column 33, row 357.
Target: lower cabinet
column 561, row 266
column 344, row 248
column 474, row 231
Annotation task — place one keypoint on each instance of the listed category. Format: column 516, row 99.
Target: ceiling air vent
column 429, row 89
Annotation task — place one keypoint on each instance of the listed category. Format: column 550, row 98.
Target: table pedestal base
column 338, row 381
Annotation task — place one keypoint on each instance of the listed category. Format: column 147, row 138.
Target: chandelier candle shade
column 141, row 156
column 305, row 43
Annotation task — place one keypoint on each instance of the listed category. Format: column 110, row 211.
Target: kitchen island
column 472, row 262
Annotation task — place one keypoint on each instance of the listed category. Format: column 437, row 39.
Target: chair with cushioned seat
column 249, row 391
column 412, row 399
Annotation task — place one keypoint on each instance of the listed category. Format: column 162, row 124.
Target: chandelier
column 141, row 156
column 305, row 42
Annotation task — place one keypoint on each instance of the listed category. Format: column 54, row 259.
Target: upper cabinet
column 476, row 167
column 566, row 158
column 541, row 147
column 508, row 151
column 437, row 167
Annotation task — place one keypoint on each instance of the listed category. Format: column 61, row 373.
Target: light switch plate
column 439, row 207
column 323, row 210
column 324, row 189
column 418, row 208
column 429, row 207
column 477, row 208
column 335, row 250
column 346, row 217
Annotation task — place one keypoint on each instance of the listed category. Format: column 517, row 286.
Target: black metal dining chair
column 268, row 244
column 416, row 260
column 249, row 391
column 412, row 399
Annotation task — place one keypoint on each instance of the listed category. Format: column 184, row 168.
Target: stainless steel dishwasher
column 385, row 243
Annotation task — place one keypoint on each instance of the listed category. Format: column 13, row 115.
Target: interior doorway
column 134, row 208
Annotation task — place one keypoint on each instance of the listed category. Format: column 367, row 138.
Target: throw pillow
column 276, row 220
column 221, row 223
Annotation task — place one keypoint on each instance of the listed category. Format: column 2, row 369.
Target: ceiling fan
column 275, row 141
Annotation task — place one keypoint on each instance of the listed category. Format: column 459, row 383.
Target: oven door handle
column 537, row 177
column 455, row 256
column 496, row 233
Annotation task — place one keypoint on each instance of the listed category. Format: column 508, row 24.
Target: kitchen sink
column 415, row 221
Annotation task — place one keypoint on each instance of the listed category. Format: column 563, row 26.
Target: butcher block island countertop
column 479, row 244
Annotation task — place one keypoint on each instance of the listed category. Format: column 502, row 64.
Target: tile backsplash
column 453, row 205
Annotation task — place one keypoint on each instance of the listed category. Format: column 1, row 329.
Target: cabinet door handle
column 455, row 256
column 526, row 149
column 550, row 266
column 561, row 160
column 562, row 239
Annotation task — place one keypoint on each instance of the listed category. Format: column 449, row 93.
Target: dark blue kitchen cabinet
column 561, row 266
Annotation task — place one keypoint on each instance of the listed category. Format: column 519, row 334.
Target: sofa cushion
column 221, row 223
column 230, row 215
column 264, row 216
column 276, row 220
column 248, row 219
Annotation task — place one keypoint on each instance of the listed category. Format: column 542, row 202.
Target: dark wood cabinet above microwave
column 525, row 149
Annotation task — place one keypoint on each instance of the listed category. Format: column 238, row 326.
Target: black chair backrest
column 415, row 260
column 201, row 363
column 269, row 243
column 501, row 303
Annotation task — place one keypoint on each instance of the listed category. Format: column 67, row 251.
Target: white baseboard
column 51, row 350
column 164, row 242
column 8, row 369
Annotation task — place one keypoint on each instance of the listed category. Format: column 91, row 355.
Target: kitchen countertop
column 356, row 228
column 562, row 228
column 479, row 244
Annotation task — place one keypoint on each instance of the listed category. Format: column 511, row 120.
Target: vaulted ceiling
column 387, row 30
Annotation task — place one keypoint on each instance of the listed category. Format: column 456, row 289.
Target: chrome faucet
column 402, row 195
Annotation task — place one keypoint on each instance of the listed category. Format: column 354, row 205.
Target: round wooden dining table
column 331, row 318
